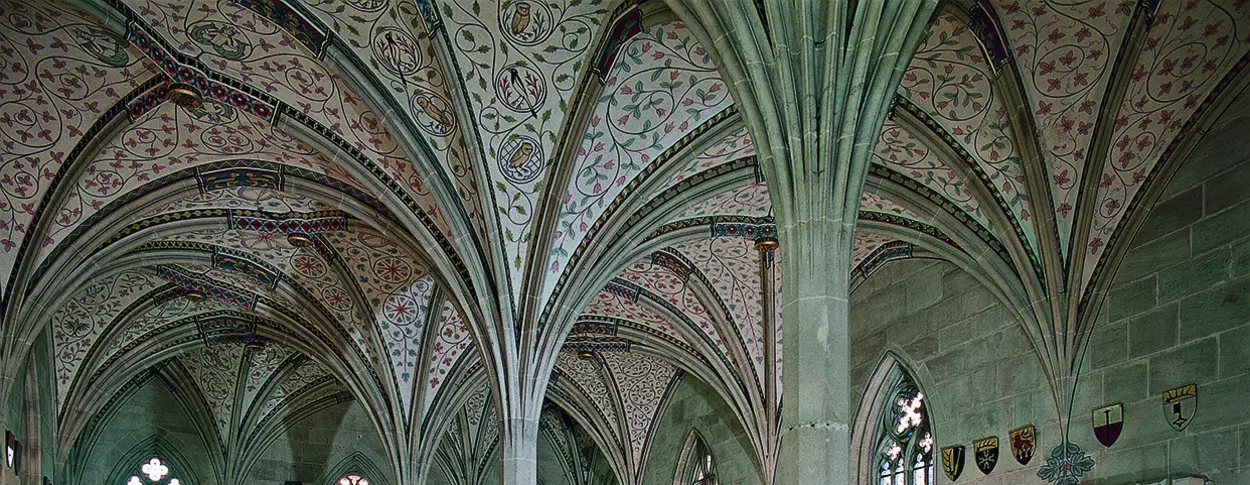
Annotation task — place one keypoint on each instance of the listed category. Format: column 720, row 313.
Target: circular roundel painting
column 521, row 159
column 102, row 44
column 520, row 88
column 224, row 38
column 366, row 5
column 526, row 23
column 434, row 114
column 396, row 51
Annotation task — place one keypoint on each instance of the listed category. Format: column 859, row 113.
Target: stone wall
column 1177, row 313
column 152, row 411
column 309, row 452
column 966, row 352
column 694, row 405
column 317, row 446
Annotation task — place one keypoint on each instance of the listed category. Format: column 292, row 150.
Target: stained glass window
column 353, row 480
column 700, row 464
column 12, row 450
column 154, row 471
column 905, row 442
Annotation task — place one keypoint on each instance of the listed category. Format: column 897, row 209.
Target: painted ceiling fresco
column 662, row 86
column 272, row 258
column 301, row 377
column 471, row 443
column 244, row 45
column 901, row 150
column 63, row 75
column 245, row 197
column 215, row 371
column 591, row 381
column 619, row 304
column 1188, row 49
column 951, row 80
column 452, row 343
column 519, row 62
column 158, row 317
column 392, row 38
column 1065, row 54
column 642, row 382
column 373, row 176
column 730, row 266
column 77, row 324
column 168, row 139
column 257, row 378
column 662, row 282
column 628, row 390
column 751, row 200
column 397, row 292
column 736, row 145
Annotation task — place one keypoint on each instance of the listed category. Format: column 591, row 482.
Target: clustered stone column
column 816, row 410
column 813, row 79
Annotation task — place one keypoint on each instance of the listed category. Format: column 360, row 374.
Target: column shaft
column 816, row 410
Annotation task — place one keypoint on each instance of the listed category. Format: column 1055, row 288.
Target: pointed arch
column 890, row 382
column 153, row 447
column 355, row 464
column 696, row 465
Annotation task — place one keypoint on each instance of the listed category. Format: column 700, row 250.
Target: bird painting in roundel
column 400, row 54
column 522, row 154
column 521, row 18
column 439, row 115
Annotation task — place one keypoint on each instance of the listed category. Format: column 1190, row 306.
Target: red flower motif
column 1065, row 209
column 1062, row 178
column 1056, row 36
column 1095, row 245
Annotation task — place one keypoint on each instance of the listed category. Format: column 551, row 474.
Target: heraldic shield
column 1180, row 405
column 1023, row 443
column 986, row 451
column 1108, row 421
column 953, row 461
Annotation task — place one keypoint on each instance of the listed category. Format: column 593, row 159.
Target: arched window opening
column 905, row 442
column 153, row 472
column 13, row 451
column 353, row 480
column 700, row 464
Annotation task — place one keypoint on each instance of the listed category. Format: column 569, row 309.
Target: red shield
column 1108, row 421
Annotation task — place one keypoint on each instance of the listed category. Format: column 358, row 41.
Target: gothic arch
column 153, row 446
column 693, row 440
column 354, row 464
column 874, row 401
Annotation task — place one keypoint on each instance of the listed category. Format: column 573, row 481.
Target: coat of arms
column 953, row 461
column 1108, row 421
column 1023, row 443
column 986, row 452
column 1180, row 405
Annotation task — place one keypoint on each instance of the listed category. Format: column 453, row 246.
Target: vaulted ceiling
column 567, row 163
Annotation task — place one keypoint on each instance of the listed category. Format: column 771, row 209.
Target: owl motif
column 521, row 18
column 439, row 115
column 521, row 155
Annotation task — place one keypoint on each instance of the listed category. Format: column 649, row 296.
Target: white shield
column 1180, row 405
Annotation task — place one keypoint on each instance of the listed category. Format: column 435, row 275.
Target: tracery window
column 153, row 472
column 11, row 449
column 353, row 480
column 700, row 464
column 905, row 442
